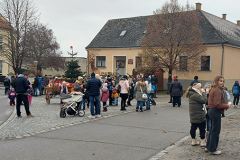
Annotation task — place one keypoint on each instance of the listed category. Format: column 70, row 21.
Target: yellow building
column 5, row 68
column 119, row 42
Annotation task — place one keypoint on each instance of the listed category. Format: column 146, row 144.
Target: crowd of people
column 106, row 90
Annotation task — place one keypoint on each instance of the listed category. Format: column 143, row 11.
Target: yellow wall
column 230, row 63
column 5, row 64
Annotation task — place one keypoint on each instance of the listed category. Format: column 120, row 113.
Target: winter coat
column 93, row 86
column 154, row 80
column 12, row 95
column 196, row 101
column 176, row 88
column 124, row 86
column 194, row 81
column 215, row 99
column 139, row 93
column 36, row 83
column 149, row 86
column 105, row 95
column 21, row 84
column 45, row 81
column 77, row 87
column 131, row 90
column 7, row 83
column 64, row 89
column 30, row 92
column 236, row 89
column 40, row 81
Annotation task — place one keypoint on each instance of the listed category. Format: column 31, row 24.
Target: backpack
column 235, row 90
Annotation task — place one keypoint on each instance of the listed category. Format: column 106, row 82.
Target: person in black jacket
column 194, row 81
column 7, row 85
column 93, row 86
column 21, row 85
column 35, row 85
column 176, row 92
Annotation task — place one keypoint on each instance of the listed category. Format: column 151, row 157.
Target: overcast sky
column 76, row 22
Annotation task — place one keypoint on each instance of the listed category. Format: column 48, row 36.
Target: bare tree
column 19, row 16
column 173, row 39
column 42, row 46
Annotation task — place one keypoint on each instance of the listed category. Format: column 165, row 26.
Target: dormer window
column 123, row 33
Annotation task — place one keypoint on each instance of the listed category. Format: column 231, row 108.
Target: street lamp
column 35, row 64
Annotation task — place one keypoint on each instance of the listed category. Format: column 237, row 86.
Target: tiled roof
column 3, row 24
column 215, row 30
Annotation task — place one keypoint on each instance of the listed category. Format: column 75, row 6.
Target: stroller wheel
column 62, row 113
column 153, row 102
column 81, row 113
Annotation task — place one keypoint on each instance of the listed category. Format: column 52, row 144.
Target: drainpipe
column 222, row 56
column 88, row 62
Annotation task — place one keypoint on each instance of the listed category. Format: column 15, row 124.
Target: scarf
column 197, row 90
column 225, row 99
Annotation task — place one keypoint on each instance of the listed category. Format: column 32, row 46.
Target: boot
column 137, row 109
column 194, row 142
column 203, row 143
column 141, row 110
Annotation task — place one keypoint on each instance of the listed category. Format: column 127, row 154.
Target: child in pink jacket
column 105, row 96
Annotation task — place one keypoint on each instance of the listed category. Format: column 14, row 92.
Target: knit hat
column 175, row 77
column 207, row 85
column 79, row 77
column 105, row 86
column 197, row 85
column 93, row 75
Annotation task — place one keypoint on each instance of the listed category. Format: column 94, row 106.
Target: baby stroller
column 70, row 106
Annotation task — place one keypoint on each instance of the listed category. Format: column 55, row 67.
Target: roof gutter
column 223, row 56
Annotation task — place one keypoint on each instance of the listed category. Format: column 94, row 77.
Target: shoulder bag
column 144, row 96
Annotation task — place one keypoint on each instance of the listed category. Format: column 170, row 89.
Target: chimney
column 238, row 22
column 224, row 16
column 198, row 6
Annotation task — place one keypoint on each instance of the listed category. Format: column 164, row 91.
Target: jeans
column 7, row 90
column 213, row 137
column 35, row 92
column 236, row 100
column 22, row 98
column 40, row 90
column 83, row 102
column 116, row 101
column 140, row 103
column 208, row 123
column 96, row 98
column 148, row 100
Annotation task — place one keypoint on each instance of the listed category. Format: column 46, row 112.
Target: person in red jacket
column 12, row 96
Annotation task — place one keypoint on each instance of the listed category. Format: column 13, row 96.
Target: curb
column 10, row 118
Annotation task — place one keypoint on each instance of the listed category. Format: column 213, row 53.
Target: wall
column 81, row 62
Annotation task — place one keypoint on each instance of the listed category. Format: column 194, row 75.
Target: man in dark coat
column 195, row 80
column 93, row 87
column 176, row 92
column 6, row 85
column 21, row 85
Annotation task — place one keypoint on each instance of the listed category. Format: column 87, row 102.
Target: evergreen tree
column 73, row 70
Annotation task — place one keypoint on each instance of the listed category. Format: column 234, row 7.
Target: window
column 123, row 33
column 138, row 62
column 205, row 63
column 183, row 63
column 1, row 41
column 0, row 67
column 101, row 61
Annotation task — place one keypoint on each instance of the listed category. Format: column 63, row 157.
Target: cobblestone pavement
column 47, row 118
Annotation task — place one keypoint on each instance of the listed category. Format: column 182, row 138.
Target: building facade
column 115, row 49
